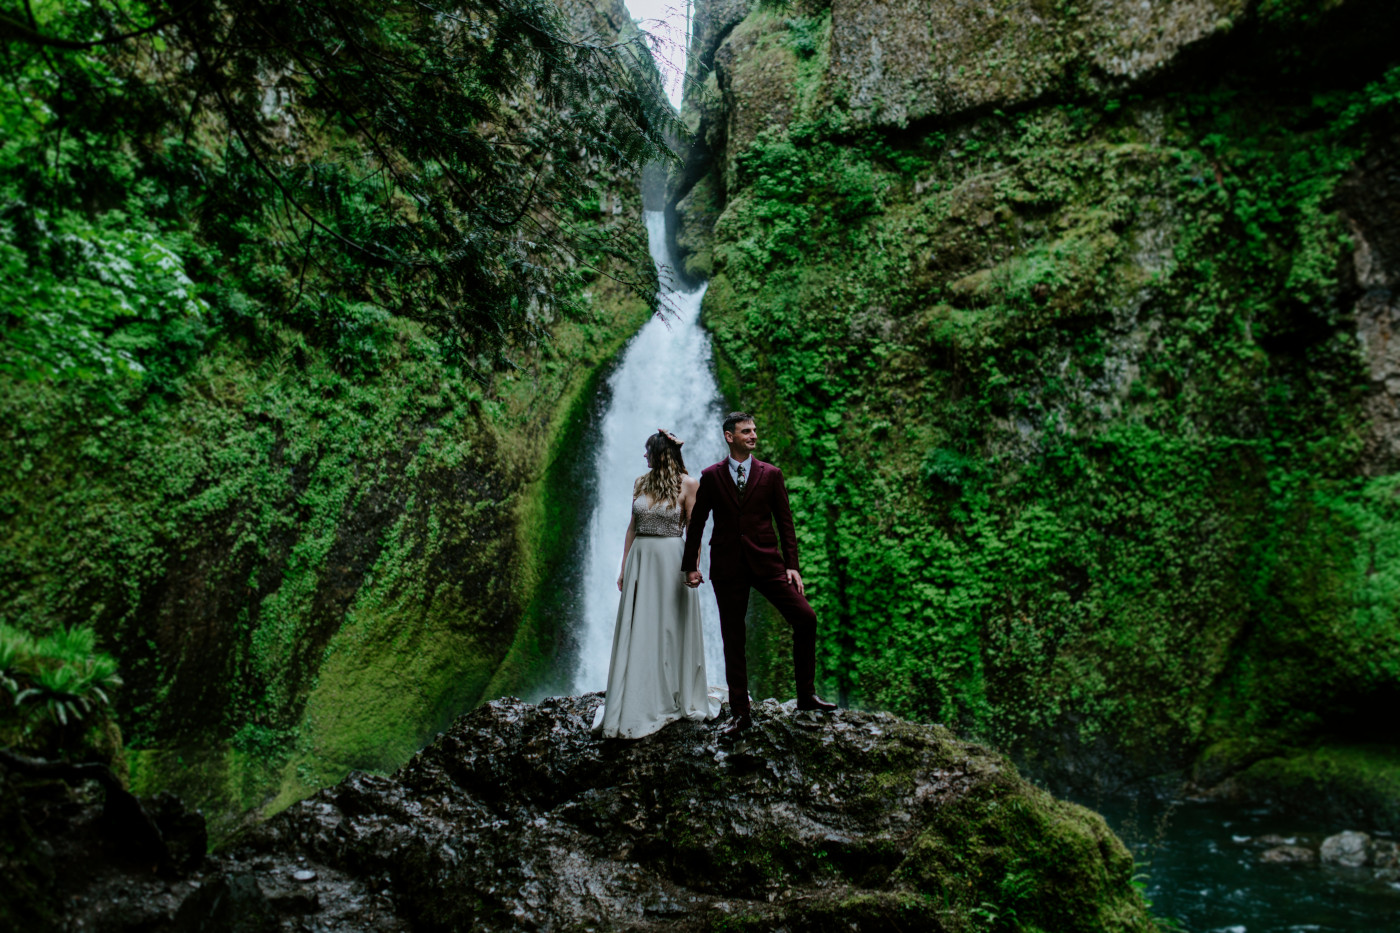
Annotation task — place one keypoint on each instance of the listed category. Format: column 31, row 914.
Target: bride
column 657, row 672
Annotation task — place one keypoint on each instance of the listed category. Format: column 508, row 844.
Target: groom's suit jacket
column 743, row 544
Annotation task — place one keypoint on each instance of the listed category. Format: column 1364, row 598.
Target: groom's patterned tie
column 742, row 482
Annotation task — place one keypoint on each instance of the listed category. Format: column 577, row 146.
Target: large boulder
column 519, row 818
column 1349, row 849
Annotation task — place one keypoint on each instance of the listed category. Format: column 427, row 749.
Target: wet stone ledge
column 517, row 818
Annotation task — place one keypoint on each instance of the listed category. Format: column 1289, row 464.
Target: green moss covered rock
column 1352, row 786
column 309, row 536
column 517, row 818
column 1076, row 368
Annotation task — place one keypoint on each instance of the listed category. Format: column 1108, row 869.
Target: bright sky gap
column 666, row 22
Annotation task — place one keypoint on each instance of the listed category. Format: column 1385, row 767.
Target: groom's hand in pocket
column 693, row 578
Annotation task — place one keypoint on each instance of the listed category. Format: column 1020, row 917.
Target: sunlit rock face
column 518, row 818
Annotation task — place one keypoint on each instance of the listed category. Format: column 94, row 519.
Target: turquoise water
column 1202, row 870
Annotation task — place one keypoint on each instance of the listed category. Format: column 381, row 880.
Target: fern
column 61, row 676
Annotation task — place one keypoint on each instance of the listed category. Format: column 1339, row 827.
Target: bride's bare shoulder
column 689, row 482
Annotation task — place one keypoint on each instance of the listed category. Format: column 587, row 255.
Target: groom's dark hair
column 732, row 419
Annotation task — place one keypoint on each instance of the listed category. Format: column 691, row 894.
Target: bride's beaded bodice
column 660, row 519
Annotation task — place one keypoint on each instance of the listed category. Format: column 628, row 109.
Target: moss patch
column 1348, row 786
column 401, row 583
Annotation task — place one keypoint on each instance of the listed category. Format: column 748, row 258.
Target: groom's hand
column 795, row 579
column 693, row 579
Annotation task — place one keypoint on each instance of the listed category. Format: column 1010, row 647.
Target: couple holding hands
column 657, row 673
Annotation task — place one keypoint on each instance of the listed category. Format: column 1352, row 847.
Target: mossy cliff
column 1071, row 325
column 309, row 543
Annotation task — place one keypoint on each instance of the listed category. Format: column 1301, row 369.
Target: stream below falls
column 1201, row 866
column 1200, row 862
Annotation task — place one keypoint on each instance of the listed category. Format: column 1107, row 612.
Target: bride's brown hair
column 662, row 483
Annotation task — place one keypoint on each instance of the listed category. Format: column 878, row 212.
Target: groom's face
column 744, row 437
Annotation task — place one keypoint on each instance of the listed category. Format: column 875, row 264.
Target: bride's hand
column 619, row 583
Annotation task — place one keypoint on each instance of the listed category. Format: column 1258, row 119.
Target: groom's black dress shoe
column 815, row 702
column 741, row 722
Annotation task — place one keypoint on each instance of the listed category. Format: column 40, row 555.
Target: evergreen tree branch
column 30, row 34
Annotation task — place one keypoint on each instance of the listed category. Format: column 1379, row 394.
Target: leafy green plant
column 952, row 467
column 87, row 298
column 803, row 34
column 60, row 677
column 15, row 647
column 992, row 915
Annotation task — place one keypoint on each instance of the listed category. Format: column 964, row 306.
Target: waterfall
column 663, row 380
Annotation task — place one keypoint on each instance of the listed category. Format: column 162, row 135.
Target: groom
column 746, row 496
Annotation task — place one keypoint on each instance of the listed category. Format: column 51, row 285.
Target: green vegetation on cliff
column 300, row 302
column 1083, row 400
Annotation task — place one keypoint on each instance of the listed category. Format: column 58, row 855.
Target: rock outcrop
column 517, row 818
column 903, row 60
column 890, row 63
column 1370, row 201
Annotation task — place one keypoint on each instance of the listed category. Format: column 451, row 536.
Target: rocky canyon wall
column 1072, row 324
column 308, row 555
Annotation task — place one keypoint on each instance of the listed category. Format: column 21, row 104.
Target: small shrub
column 58, row 684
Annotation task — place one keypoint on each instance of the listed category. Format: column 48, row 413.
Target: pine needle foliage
column 421, row 158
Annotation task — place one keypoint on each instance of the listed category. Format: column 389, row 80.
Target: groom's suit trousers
column 733, row 599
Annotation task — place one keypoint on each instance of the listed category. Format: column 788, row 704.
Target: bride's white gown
column 657, row 674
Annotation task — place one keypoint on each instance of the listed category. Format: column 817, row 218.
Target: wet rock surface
column 1288, row 855
column 1377, row 855
column 518, row 818
column 1348, row 849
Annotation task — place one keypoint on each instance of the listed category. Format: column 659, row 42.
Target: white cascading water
column 663, row 380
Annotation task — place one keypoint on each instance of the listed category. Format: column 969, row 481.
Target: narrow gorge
column 332, row 337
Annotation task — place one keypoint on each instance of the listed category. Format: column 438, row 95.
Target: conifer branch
column 10, row 29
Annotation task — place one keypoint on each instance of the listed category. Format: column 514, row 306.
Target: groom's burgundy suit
column 743, row 555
